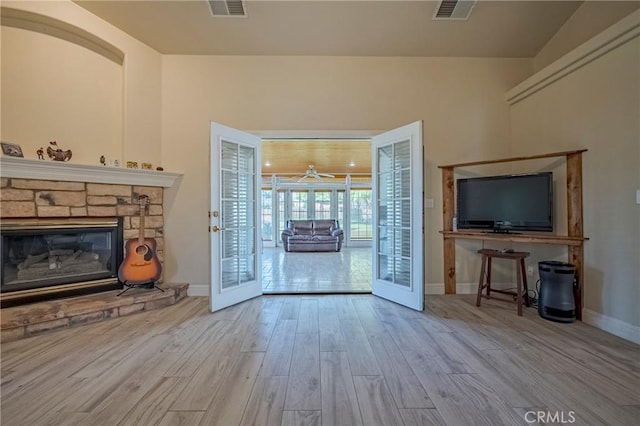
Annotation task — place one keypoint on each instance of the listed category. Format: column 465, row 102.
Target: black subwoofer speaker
column 556, row 301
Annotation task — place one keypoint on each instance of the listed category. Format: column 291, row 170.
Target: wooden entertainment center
column 574, row 240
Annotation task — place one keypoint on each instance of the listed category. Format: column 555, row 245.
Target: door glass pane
column 385, row 185
column 404, row 214
column 402, row 155
column 246, row 159
column 397, row 214
column 299, row 205
column 403, row 183
column 394, row 213
column 238, row 214
column 385, row 268
column 229, row 184
column 246, row 186
column 384, row 158
column 230, row 246
column 341, row 208
column 402, row 272
column 229, row 269
column 250, row 219
column 383, row 213
column 361, row 211
column 322, row 208
column 267, row 215
column 230, row 214
column 245, row 242
column 282, row 217
column 247, row 269
column 403, row 242
column 229, row 160
column 384, row 240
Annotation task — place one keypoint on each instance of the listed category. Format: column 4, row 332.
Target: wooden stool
column 521, row 276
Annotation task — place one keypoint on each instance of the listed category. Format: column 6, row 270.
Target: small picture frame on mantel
column 11, row 149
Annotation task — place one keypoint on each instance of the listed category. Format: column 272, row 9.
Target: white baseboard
column 462, row 288
column 436, row 288
column 612, row 325
column 198, row 290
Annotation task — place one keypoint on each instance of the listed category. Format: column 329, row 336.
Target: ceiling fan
column 312, row 173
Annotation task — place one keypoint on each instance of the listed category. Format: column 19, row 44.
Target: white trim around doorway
column 315, row 134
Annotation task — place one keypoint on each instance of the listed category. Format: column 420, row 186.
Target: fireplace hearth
column 48, row 258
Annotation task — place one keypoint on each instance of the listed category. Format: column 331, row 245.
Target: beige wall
column 138, row 131
column 591, row 18
column 460, row 100
column 597, row 107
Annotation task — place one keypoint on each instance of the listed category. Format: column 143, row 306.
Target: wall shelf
column 575, row 227
column 512, row 159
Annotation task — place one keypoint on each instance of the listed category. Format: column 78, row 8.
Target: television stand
column 575, row 226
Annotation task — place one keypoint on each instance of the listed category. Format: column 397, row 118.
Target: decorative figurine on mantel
column 40, row 153
column 103, row 160
column 58, row 154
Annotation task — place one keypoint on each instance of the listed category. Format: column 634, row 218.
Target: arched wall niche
column 62, row 83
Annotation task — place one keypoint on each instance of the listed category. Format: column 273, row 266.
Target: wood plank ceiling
column 292, row 157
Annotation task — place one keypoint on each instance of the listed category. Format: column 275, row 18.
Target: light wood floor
column 322, row 360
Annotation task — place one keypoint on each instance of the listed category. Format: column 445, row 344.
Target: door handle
column 216, row 228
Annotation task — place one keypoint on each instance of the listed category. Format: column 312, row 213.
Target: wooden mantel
column 574, row 239
column 22, row 168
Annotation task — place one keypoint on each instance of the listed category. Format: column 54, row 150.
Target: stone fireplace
column 63, row 235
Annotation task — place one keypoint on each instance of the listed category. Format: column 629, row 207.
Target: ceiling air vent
column 227, row 8
column 454, row 9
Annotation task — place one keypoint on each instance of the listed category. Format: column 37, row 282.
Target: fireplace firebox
column 58, row 257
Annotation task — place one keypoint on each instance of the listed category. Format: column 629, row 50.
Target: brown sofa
column 312, row 235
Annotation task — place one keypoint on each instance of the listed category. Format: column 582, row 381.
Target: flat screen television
column 508, row 203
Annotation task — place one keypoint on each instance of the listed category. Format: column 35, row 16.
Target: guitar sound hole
column 141, row 250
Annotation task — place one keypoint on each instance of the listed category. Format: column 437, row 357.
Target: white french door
column 234, row 217
column 398, row 231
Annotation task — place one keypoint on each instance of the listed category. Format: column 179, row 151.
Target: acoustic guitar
column 140, row 264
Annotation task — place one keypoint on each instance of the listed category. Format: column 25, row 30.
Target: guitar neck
column 141, row 227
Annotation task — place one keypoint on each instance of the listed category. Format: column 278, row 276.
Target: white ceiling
column 339, row 27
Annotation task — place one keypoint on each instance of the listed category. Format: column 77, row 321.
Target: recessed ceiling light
column 267, row 164
column 352, row 163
